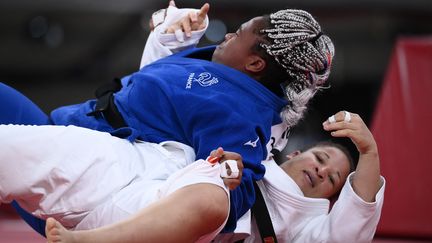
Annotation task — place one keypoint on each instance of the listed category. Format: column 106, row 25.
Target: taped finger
column 230, row 165
column 332, row 119
column 347, row 117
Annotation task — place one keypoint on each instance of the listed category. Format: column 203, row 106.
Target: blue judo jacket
column 196, row 102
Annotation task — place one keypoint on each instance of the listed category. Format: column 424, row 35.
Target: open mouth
column 309, row 178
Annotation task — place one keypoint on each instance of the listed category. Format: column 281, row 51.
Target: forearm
column 366, row 182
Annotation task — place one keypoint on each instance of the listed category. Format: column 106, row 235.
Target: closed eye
column 332, row 180
column 319, row 158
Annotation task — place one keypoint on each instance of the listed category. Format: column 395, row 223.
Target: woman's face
column 237, row 47
column 320, row 172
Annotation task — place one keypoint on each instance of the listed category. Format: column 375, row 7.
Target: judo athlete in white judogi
column 87, row 179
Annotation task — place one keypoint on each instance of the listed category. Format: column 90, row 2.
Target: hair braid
column 295, row 41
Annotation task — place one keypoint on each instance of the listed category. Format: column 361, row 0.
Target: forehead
column 254, row 25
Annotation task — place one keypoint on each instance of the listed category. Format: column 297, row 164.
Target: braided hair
column 293, row 39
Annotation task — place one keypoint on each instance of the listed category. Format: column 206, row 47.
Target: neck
column 274, row 87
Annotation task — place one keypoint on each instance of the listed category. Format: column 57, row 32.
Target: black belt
column 262, row 217
column 105, row 104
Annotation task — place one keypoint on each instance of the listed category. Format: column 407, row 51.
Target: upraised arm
column 366, row 180
column 173, row 30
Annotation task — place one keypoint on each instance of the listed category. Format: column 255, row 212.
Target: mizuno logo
column 253, row 144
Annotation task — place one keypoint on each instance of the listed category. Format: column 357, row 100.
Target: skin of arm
column 366, row 181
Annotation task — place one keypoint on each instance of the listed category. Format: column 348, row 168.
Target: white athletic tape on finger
column 179, row 35
column 232, row 164
column 332, row 119
column 347, row 117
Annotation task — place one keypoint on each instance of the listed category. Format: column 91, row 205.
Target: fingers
column 194, row 20
column 231, row 166
column 181, row 28
column 229, row 169
column 215, row 156
column 193, row 16
column 203, row 12
column 351, row 126
column 199, row 24
column 231, row 156
column 233, row 182
column 219, row 152
column 187, row 26
column 342, row 116
column 340, row 122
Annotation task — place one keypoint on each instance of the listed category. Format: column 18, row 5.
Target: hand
column 366, row 182
column 192, row 22
column 231, row 183
column 355, row 129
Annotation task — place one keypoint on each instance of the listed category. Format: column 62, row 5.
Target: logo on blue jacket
column 204, row 79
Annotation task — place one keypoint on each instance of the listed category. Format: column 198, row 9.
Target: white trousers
column 87, row 179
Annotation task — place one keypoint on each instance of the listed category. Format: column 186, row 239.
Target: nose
column 322, row 172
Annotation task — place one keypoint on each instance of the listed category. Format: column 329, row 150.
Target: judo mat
column 14, row 230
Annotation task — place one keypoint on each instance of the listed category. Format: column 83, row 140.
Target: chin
column 215, row 58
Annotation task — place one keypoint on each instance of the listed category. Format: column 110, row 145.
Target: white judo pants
column 87, row 179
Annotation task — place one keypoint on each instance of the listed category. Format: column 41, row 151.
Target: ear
column 293, row 154
column 255, row 64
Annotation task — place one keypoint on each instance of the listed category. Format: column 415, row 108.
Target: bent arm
column 366, row 180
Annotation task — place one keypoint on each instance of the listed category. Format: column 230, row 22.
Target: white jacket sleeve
column 350, row 220
column 159, row 44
